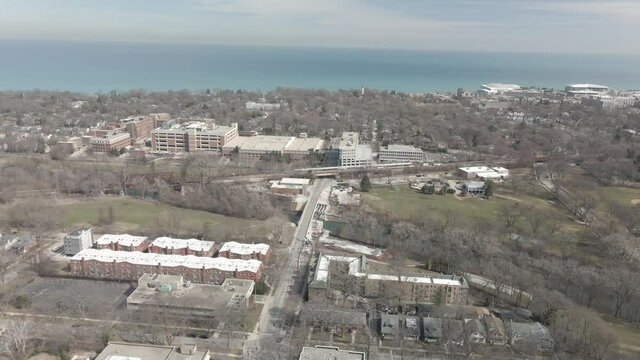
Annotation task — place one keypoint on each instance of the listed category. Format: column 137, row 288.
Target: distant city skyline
column 560, row 26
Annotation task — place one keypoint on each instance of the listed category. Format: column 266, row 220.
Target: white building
column 261, row 106
column 484, row 172
column 77, row 241
column 586, row 89
column 497, row 88
column 352, row 153
column 400, row 153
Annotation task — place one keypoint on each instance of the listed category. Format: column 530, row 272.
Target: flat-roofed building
column 330, row 273
column 171, row 293
column 193, row 136
column 400, row 153
column 129, row 351
column 122, row 242
column 172, row 246
column 586, row 89
column 352, row 153
column 484, row 172
column 301, row 147
column 78, row 240
column 497, row 88
column 261, row 106
column 289, row 186
column 139, row 127
column 236, row 250
column 329, row 352
column 125, row 265
column 110, row 141
column 253, row 148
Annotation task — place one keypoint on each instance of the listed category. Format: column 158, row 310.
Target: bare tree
column 511, row 214
column 16, row 341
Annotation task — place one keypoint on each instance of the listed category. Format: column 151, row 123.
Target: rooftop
column 306, row 144
column 122, row 239
column 294, row 181
column 193, row 244
column 126, row 351
column 260, row 143
column 189, row 261
column 399, row 147
column 79, row 232
column 172, row 291
column 330, row 353
column 349, row 140
column 587, row 86
column 245, row 249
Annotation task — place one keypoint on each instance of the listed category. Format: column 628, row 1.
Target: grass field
column 133, row 214
column 628, row 338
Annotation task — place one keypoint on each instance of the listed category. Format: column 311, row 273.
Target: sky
column 537, row 26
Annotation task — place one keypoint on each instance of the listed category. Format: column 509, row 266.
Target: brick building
column 139, row 127
column 192, row 137
column 171, row 246
column 236, row 250
column 332, row 273
column 122, row 242
column 110, row 141
column 124, row 265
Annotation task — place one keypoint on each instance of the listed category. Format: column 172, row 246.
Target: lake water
column 102, row 67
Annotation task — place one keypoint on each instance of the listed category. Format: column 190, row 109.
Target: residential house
column 389, row 326
column 432, row 328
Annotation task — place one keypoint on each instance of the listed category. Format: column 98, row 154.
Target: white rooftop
column 245, row 249
column 588, row 86
column 501, row 86
column 399, row 147
column 193, row 244
column 294, row 181
column 121, row 239
column 151, row 259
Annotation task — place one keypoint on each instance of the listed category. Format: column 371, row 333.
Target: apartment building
column 109, row 141
column 192, row 137
column 171, row 246
column 399, row 153
column 122, row 242
column 332, row 273
column 352, row 153
column 236, row 250
column 131, row 265
column 78, row 240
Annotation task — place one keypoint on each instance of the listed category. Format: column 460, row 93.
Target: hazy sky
column 572, row 26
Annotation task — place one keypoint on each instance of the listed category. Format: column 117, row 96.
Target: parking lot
column 71, row 297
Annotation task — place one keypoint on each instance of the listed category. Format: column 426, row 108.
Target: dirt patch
column 635, row 202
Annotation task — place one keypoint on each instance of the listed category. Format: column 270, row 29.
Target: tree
column 511, row 214
column 22, row 301
column 488, row 188
column 365, row 183
column 439, row 297
column 428, row 189
column 16, row 341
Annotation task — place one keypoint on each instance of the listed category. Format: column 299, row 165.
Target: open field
column 131, row 214
column 628, row 337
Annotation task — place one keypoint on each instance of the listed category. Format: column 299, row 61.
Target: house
column 432, row 329
column 389, row 326
column 78, row 240
column 530, row 337
column 21, row 243
column 453, row 331
column 496, row 332
column 411, row 328
column 475, row 331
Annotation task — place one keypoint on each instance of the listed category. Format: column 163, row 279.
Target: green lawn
column 133, row 214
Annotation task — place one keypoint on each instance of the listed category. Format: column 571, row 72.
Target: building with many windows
column 332, row 273
column 236, row 250
column 399, row 153
column 586, row 89
column 122, row 242
column 110, row 141
column 138, row 127
column 253, row 148
column 131, row 265
column 352, row 153
column 192, row 137
column 78, row 240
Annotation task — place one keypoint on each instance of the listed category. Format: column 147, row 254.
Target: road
column 272, row 315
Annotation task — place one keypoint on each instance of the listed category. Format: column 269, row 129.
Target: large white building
column 254, row 148
column 497, row 88
column 586, row 89
column 399, row 153
column 193, row 136
column 484, row 172
column 77, row 241
column 352, row 153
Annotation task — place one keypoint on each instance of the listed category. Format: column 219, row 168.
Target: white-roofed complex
column 253, row 148
column 236, row 250
column 497, row 88
column 586, row 89
column 122, row 242
column 131, row 265
column 484, row 172
column 334, row 273
column 172, row 246
column 193, row 136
